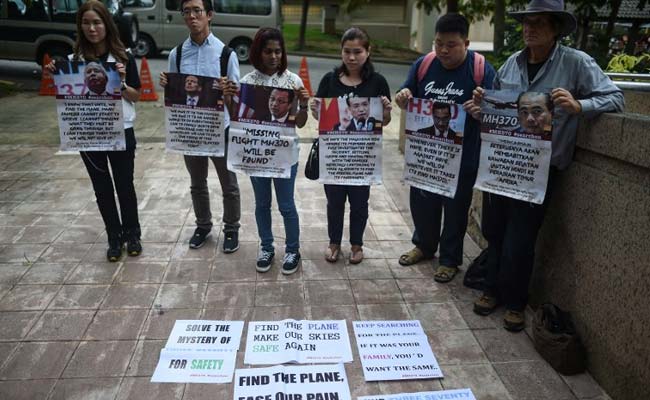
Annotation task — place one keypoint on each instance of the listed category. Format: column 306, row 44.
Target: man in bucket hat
column 577, row 87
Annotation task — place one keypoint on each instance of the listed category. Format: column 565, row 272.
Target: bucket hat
column 568, row 22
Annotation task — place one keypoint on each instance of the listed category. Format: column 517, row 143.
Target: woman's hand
column 472, row 109
column 51, row 66
column 303, row 97
column 402, row 98
column 388, row 107
column 314, row 107
column 121, row 69
column 228, row 87
column 163, row 79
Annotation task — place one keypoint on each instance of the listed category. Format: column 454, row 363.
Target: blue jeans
column 284, row 188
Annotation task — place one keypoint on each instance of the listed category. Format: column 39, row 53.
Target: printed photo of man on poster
column 280, row 102
column 535, row 112
column 96, row 79
column 361, row 120
column 193, row 91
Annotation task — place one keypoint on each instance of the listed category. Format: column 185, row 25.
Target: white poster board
column 395, row 350
column 314, row 382
column 291, row 341
column 205, row 335
column 455, row 394
column 195, row 366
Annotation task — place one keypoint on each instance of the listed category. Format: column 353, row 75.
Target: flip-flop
column 445, row 274
column 332, row 253
column 356, row 255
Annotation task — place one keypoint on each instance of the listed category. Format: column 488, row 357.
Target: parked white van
column 234, row 22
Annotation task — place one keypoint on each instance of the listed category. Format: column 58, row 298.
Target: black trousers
column 511, row 227
column 358, row 197
column 121, row 166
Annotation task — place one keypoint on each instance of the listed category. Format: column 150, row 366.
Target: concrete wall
column 593, row 254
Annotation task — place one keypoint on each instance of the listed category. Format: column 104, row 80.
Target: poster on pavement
column 205, row 335
column 313, row 382
column 455, row 394
column 350, row 141
column 195, row 366
column 262, row 139
column 434, row 145
column 394, row 350
column 292, row 341
column 515, row 144
column 89, row 106
column 194, row 115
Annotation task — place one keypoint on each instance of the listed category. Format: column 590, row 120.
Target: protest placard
column 350, row 141
column 89, row 106
column 434, row 145
column 203, row 335
column 273, row 342
column 263, row 140
column 394, row 350
column 194, row 115
column 456, row 394
column 314, row 382
column 195, row 366
column 516, row 144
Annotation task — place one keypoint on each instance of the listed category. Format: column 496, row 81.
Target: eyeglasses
column 197, row 12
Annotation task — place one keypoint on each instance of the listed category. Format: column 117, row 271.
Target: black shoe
column 290, row 263
column 230, row 242
column 114, row 251
column 133, row 246
column 264, row 261
column 199, row 238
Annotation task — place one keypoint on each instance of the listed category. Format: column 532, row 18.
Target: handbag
column 311, row 167
column 557, row 341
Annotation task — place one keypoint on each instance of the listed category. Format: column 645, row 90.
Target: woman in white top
column 269, row 57
column 98, row 42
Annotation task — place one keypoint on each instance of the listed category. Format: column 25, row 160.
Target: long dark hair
column 84, row 49
column 259, row 41
column 354, row 33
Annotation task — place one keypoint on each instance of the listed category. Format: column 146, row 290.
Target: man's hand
column 472, row 109
column 229, row 87
column 563, row 98
column 402, row 98
column 314, row 106
column 163, row 79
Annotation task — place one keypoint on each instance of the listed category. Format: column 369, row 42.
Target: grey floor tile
column 390, row 312
column 72, row 297
column 26, row 390
column 61, row 325
column 130, row 296
column 14, row 325
column 456, row 347
column 376, row 291
column 6, row 349
column 277, row 313
column 94, row 273
column 46, row 273
column 500, row 345
column 141, row 389
column 233, row 271
column 187, row 272
column 204, row 391
column 324, row 312
column 100, row 359
column 230, row 295
column 328, row 293
column 38, row 360
column 369, row 269
column 423, row 291
column 437, row 316
column 228, row 314
column 147, row 272
column 411, row 386
column 528, row 380
column 145, row 358
column 19, row 253
column 39, row 234
column 79, row 389
column 80, row 234
column 116, row 325
column 189, row 295
column 481, row 378
column 65, row 253
column 279, row 294
column 28, row 297
column 10, row 274
column 160, row 321
column 319, row 269
column 583, row 386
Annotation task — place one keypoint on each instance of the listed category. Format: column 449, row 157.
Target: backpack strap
column 425, row 64
column 179, row 53
column 479, row 68
column 223, row 60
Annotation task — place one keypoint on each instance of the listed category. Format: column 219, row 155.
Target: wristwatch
column 123, row 86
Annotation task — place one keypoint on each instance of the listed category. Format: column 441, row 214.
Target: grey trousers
column 197, row 166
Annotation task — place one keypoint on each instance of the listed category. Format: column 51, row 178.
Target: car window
column 64, row 10
column 251, row 7
column 139, row 3
column 27, row 10
column 173, row 5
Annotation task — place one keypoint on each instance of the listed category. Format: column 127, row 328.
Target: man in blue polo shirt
column 450, row 78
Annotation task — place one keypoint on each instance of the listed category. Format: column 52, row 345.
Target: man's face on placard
column 279, row 103
column 95, row 78
column 441, row 118
column 192, row 86
column 534, row 114
column 359, row 107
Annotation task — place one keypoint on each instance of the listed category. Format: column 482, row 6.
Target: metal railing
column 640, row 82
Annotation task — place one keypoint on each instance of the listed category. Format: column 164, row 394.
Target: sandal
column 411, row 257
column 356, row 254
column 444, row 274
column 332, row 253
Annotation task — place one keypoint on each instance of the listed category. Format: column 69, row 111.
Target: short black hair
column 290, row 93
column 453, row 23
column 438, row 105
column 548, row 101
column 207, row 5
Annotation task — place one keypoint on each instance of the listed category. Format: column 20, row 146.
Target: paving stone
column 357, row 382
column 100, row 359
column 152, row 252
column 46, row 273
column 160, row 322
column 130, row 296
column 233, row 271
column 423, row 270
column 376, row 291
column 230, row 295
column 86, row 388
column 15, row 325
column 188, row 295
column 80, row 234
column 116, row 325
column 456, row 347
column 9, row 234
column 26, row 390
column 369, row 269
column 411, row 386
column 38, row 360
column 145, row 358
column 65, row 253
column 72, row 297
column 154, row 234
column 28, row 297
column 208, row 252
column 141, row 388
column 228, row 314
column 19, row 253
column 279, row 294
column 4, row 289
column 151, row 272
column 500, row 345
column 61, row 325
column 348, row 313
column 337, row 292
column 583, row 386
column 205, row 391
column 481, row 378
column 10, row 274
column 278, row 313
column 38, row 234
column 97, row 273
column 389, row 312
column 396, row 232
column 528, row 380
column 423, row 291
column 475, row 321
column 187, row 272
column 5, row 350
column 437, row 316
column 319, row 269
